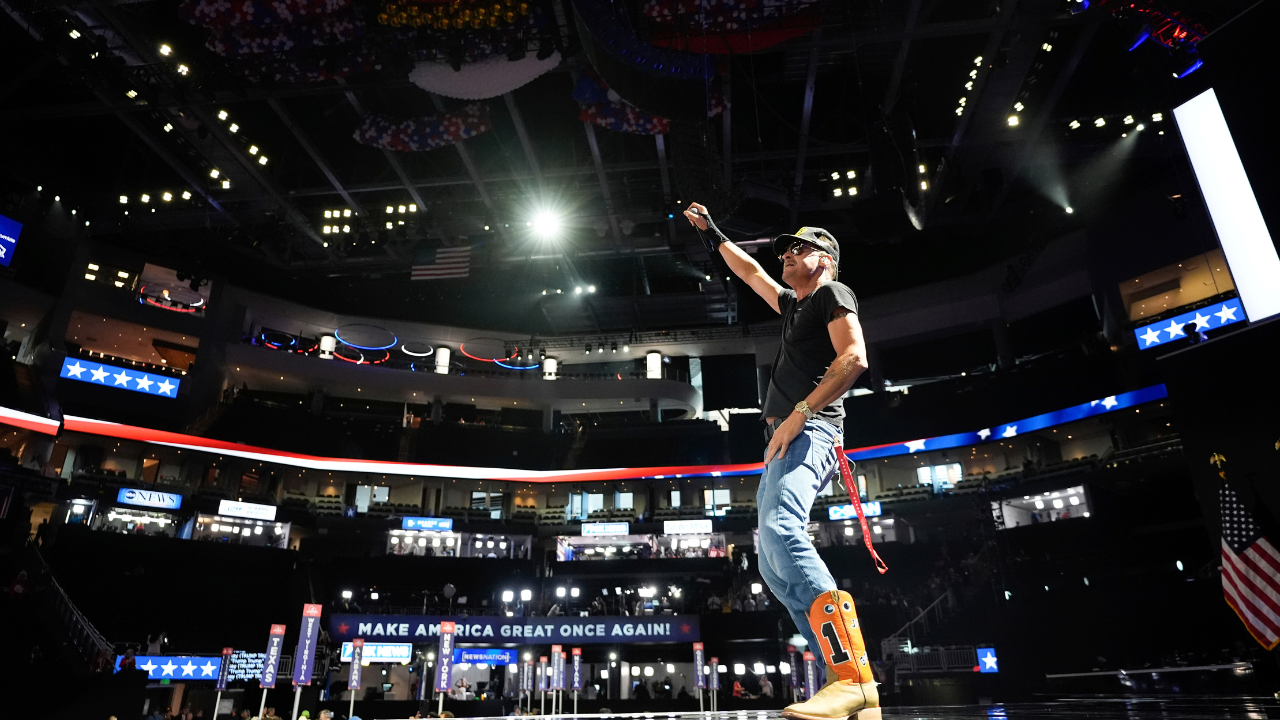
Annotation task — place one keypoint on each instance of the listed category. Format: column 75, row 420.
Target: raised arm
column 742, row 264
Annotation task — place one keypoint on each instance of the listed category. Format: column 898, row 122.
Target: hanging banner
column 304, row 658
column 512, row 630
column 271, row 665
column 542, row 673
column 810, row 675
column 223, row 668
column 699, row 667
column 526, row 677
column 444, row 657
column 576, row 676
column 357, row 654
column 715, row 673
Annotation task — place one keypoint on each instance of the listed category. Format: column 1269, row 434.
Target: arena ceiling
column 115, row 99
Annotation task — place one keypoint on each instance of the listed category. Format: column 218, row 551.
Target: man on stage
column 821, row 355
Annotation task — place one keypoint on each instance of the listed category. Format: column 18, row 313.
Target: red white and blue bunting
column 426, row 133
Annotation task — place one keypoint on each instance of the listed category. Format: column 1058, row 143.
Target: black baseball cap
column 817, row 237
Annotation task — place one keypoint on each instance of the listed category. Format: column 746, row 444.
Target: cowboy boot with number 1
column 853, row 694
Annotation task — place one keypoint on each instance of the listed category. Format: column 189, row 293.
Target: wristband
column 711, row 237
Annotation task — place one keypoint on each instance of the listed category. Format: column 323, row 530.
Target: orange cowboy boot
column 853, row 693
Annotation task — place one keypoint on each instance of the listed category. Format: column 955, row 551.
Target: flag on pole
column 444, row 263
column 1250, row 571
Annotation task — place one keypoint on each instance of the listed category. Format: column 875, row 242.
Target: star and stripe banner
column 444, row 264
column 1250, row 571
column 96, row 373
column 1212, row 317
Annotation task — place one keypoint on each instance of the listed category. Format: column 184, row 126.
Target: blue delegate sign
column 96, row 373
column 987, row 662
column 177, row 667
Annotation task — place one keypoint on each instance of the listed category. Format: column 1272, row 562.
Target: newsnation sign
column 579, row 630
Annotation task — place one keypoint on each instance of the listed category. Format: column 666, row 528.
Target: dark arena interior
column 983, row 292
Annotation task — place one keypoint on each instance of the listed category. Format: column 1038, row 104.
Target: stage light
column 626, row 347
column 586, row 350
column 262, row 160
column 222, row 114
column 973, row 73
column 708, row 277
column 326, row 230
column 964, row 100
column 1074, row 124
column 372, row 595
column 74, row 34
column 486, row 227
column 346, row 228
column 560, row 592
column 1144, row 34
column 346, row 594
column 1099, row 122
column 544, row 292
column 739, row 669
column 577, row 290
column 542, row 353
column 1013, row 121
column 591, row 288
column 574, row 592
column 1179, row 565
column 90, row 276
column 526, row 595
column 145, row 198
column 401, row 209
column 600, row 350
column 214, row 173
column 131, row 94
column 1046, row 47
column 921, row 169
column 545, row 224
column 756, row 588
column 165, row 50
column 390, row 224
column 124, row 199
column 852, row 191
column 390, row 209
column 413, row 207
column 324, row 244
column 784, row 668
column 233, row 127
column 226, row 184
column 1018, row 106
column 1157, row 117
column 614, row 347
column 253, row 149
column 835, row 176
column 328, row 213
column 183, row 69
column 648, row 671
column 837, row 192
column 1140, row 127
column 167, row 196
column 1128, row 119
column 978, row 61
column 850, row 175
column 968, row 85
column 635, row 670
column 1070, row 209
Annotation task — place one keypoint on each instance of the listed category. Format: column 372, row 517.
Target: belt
column 772, row 427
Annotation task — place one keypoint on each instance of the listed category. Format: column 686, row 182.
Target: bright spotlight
column 850, row 175
column 526, row 595
column 1141, row 127
column 167, row 196
column 1099, row 122
column 165, row 50
column 1074, row 124
column 835, row 176
column 1013, row 121
column 186, row 195
column 837, row 192
column 233, row 128
column 145, row 198
column 1070, row 209
column 214, row 173
column 560, row 592
column 577, row 290
column 1128, row 119
column 222, row 114
column 262, row 160
column 1157, row 117
column 508, row 596
column 183, row 69
column 346, row 594
column 546, row 224
column 124, row 199
column 591, row 288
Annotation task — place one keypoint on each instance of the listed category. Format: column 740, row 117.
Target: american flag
column 1250, row 571
column 444, row 263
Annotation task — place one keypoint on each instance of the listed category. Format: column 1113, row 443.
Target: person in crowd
column 155, row 714
column 821, row 355
column 328, row 715
column 737, row 688
column 766, row 687
column 128, row 662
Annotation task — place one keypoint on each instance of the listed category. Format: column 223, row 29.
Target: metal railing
column 960, row 658
column 904, row 640
column 84, row 636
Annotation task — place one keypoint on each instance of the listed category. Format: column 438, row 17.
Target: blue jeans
column 788, row 561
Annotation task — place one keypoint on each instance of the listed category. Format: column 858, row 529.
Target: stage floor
column 1106, row 708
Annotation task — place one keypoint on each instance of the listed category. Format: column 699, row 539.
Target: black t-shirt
column 806, row 351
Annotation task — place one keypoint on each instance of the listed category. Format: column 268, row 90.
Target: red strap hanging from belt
column 857, row 505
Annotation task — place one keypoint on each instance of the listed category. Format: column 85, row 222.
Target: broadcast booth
column 242, row 523
column 605, row 541
column 690, row 539
column 134, row 511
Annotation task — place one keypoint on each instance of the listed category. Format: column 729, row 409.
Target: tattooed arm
column 850, row 362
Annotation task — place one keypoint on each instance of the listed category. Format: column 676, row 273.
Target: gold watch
column 803, row 408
